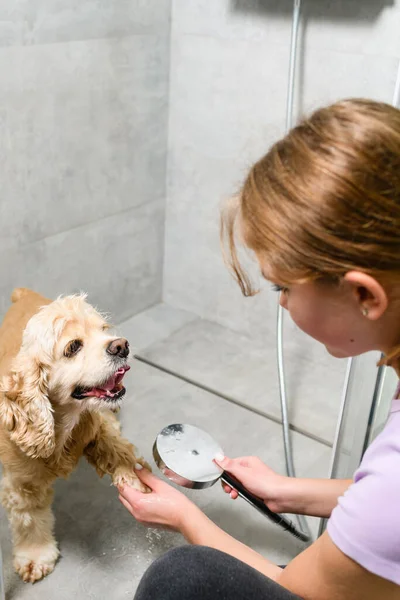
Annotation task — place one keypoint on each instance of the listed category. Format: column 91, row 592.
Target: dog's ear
column 25, row 409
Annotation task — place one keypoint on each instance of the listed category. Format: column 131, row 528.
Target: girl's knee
column 181, row 572
column 182, row 559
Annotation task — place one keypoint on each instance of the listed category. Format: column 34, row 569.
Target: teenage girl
column 321, row 212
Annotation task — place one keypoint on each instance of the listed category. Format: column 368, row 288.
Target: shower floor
column 198, row 372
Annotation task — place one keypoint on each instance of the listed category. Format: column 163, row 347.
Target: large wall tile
column 327, row 76
column 370, row 27
column 346, row 25
column 83, row 131
column 201, row 283
column 227, row 105
column 117, row 260
column 217, row 127
column 233, row 20
column 49, row 21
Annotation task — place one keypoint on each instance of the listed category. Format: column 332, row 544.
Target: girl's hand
column 257, row 477
column 164, row 506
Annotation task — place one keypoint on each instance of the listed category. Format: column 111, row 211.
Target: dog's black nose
column 118, row 347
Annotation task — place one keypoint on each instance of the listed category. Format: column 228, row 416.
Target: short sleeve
column 365, row 525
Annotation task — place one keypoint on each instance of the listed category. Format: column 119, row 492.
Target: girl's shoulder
column 365, row 525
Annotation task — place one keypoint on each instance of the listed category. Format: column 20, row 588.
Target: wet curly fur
column 43, row 430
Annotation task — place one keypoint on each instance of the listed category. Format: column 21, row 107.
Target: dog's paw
column 123, row 477
column 144, row 464
column 35, row 562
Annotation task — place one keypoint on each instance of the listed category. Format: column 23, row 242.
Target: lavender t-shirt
column 365, row 525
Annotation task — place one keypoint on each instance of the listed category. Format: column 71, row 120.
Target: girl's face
column 334, row 314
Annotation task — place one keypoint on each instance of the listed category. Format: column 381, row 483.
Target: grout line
column 210, row 390
column 93, row 222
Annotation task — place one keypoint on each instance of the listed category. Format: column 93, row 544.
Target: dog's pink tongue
column 115, row 379
column 110, row 384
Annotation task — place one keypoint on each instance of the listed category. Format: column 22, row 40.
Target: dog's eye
column 72, row 348
column 105, row 327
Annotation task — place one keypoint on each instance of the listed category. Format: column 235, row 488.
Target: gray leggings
column 201, row 573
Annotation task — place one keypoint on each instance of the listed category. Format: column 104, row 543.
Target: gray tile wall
column 229, row 68
column 83, row 139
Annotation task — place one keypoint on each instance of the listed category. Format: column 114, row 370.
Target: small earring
column 365, row 312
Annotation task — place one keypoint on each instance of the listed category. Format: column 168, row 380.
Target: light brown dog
column 60, row 374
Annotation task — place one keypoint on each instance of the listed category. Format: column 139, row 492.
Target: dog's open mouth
column 110, row 390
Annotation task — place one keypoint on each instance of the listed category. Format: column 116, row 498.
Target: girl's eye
column 279, row 288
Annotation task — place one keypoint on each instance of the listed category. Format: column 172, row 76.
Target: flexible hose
column 302, row 522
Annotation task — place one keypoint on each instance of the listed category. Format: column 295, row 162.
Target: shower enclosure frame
column 379, row 394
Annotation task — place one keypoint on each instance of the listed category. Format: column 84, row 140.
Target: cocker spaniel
column 61, row 378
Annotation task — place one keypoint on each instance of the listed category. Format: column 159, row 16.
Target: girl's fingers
column 228, row 490
column 145, row 476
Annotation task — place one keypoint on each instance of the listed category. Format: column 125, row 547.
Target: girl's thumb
column 225, row 463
